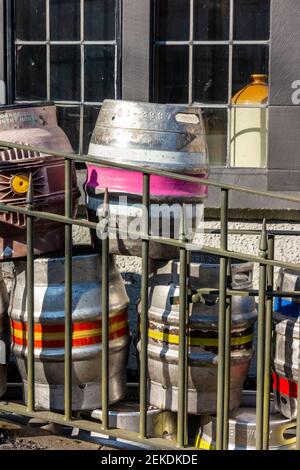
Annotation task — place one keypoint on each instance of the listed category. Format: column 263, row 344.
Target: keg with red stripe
column 49, row 330
column 4, row 333
column 286, row 345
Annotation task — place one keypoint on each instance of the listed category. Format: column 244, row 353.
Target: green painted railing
column 265, row 293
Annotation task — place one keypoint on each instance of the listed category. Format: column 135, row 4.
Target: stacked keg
column 49, row 330
column 285, row 373
column 170, row 138
column 157, row 137
column 242, row 428
column 286, row 345
column 36, row 125
column 33, row 125
column 202, row 337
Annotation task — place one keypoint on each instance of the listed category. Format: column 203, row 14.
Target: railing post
column 30, row 295
column 144, row 308
column 182, row 437
column 268, row 345
column 105, row 315
column 261, row 336
column 68, row 291
column 227, row 362
column 222, row 406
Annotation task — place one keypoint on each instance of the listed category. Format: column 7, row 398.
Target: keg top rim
column 143, row 103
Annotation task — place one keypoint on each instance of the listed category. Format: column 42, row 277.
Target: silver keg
column 286, row 344
column 49, row 318
column 242, row 428
column 4, row 334
column 202, row 333
column 155, row 136
column 286, row 364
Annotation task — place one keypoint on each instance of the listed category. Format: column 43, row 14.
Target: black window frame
column 10, row 65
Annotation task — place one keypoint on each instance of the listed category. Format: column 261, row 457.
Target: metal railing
column 265, row 293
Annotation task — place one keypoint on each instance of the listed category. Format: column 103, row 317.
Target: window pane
column 216, row 133
column 172, row 19
column 31, row 73
column 65, row 73
column 99, row 20
column 69, row 119
column 211, row 20
column 90, row 117
column 99, row 73
column 248, row 60
column 252, row 19
column 65, row 20
column 211, row 74
column 30, row 20
column 172, row 70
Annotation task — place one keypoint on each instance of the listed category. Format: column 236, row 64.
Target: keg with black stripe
column 286, row 344
column 49, row 330
column 4, row 334
column 202, row 337
column 158, row 137
column 242, row 428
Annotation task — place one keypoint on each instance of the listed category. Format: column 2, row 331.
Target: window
column 206, row 52
column 67, row 51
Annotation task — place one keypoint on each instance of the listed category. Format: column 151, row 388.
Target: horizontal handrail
column 149, row 171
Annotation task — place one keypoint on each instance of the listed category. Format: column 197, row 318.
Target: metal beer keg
column 4, row 334
column 34, row 125
column 49, row 330
column 242, row 428
column 286, row 345
column 155, row 136
column 163, row 341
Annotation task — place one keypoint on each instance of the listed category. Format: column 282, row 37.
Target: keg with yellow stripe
column 242, row 428
column 49, row 330
column 4, row 335
column 202, row 337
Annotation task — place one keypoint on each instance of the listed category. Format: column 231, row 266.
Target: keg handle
column 246, row 272
column 281, row 434
column 187, row 118
column 206, row 299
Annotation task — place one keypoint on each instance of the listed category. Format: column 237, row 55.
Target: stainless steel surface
column 242, row 428
column 126, row 415
column 156, row 136
column 86, row 339
column 202, row 337
column 152, row 135
column 4, row 334
column 286, row 363
column 286, row 344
